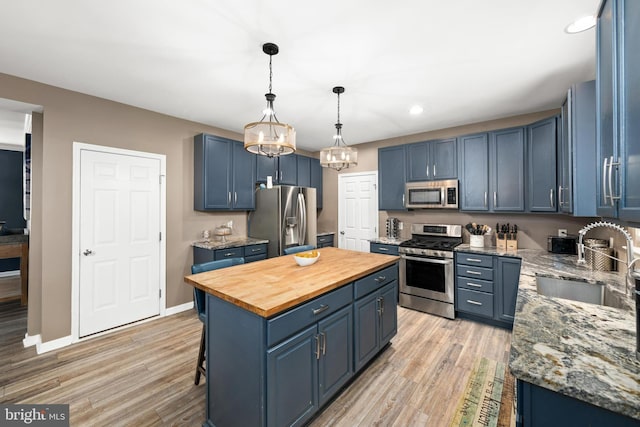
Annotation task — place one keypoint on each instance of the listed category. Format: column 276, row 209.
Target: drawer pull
column 473, row 260
column 470, row 301
column 476, row 273
column 383, row 249
column 380, row 279
column 475, row 285
column 229, row 254
column 256, row 250
column 319, row 310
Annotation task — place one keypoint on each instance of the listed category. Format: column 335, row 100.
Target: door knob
column 87, row 252
column 342, row 232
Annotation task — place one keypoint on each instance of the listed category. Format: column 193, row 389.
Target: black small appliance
column 562, row 244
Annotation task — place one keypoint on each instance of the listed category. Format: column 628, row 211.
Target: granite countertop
column 326, row 233
column 387, row 240
column 231, row 242
column 581, row 350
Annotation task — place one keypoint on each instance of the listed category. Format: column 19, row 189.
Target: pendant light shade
column 269, row 137
column 340, row 155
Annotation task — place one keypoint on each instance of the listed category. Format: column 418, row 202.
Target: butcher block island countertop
column 272, row 286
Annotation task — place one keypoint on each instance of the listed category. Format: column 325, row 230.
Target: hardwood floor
column 144, row 375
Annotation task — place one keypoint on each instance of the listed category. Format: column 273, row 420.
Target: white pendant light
column 269, row 137
column 340, row 155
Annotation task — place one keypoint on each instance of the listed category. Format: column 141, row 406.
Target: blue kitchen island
column 282, row 339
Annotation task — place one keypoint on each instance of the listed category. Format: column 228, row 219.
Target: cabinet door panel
column 541, row 174
column 606, row 125
column 288, row 170
column 366, row 329
column 304, row 171
column 336, row 362
column 265, row 167
column 444, row 159
column 391, row 178
column 507, row 289
column 474, row 172
column 244, row 178
column 630, row 111
column 292, row 372
column 418, row 166
column 389, row 316
column 213, row 171
column 507, row 155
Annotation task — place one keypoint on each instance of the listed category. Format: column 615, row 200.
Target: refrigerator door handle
column 302, row 219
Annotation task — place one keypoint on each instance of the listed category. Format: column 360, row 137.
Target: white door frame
column 341, row 178
column 75, row 230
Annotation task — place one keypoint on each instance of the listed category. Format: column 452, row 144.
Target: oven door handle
column 430, row 260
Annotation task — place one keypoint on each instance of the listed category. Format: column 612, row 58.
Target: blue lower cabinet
column 381, row 248
column 376, row 322
column 324, row 241
column 250, row 253
column 292, row 380
column 335, row 362
column 540, row 407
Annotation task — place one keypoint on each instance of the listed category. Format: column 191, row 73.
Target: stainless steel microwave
column 431, row 194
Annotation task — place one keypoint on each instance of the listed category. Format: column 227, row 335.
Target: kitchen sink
column 578, row 291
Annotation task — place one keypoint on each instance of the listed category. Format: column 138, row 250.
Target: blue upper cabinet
column 391, row 177
column 618, row 128
column 316, row 180
column 507, row 170
column 541, row 166
column 492, row 171
column 224, row 174
column 474, row 172
column 432, row 160
column 577, row 151
column 282, row 169
column 303, row 171
column 288, row 170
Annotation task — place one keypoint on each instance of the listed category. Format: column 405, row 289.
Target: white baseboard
column 44, row 347
column 178, row 308
column 13, row 273
column 30, row 340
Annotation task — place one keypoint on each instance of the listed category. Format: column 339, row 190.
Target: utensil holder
column 476, row 241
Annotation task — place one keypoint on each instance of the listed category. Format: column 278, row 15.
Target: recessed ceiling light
column 581, row 24
column 415, row 110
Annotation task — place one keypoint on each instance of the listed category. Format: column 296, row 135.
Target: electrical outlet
column 562, row 232
column 400, row 225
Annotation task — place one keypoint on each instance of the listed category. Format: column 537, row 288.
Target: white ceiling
column 464, row 61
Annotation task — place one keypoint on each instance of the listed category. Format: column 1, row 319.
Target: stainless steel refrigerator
column 286, row 216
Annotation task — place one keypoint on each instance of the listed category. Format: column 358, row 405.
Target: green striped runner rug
column 488, row 397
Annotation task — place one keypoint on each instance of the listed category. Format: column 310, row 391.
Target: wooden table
column 17, row 246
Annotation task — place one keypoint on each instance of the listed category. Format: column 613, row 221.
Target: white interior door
column 119, row 240
column 357, row 210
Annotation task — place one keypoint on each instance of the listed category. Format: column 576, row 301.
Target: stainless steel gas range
column 426, row 268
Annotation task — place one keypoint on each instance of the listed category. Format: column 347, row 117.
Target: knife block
column 506, row 245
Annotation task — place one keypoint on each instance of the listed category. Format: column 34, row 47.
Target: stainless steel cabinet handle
column 604, row 180
column 317, row 337
column 560, row 196
column 470, row 301
column 485, row 199
column 256, row 250
column 427, row 171
column 229, row 254
column 229, row 198
column 611, row 165
column 324, row 343
column 381, row 305
column 551, row 197
column 495, row 199
column 434, row 170
column 87, row 252
column 320, row 309
column 473, row 260
column 474, row 285
column 475, row 273
column 403, row 200
column 380, row 279
column 383, row 249
column 235, row 198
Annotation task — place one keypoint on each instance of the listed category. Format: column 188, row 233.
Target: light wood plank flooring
column 144, row 375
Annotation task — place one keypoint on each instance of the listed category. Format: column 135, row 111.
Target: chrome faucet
column 630, row 253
